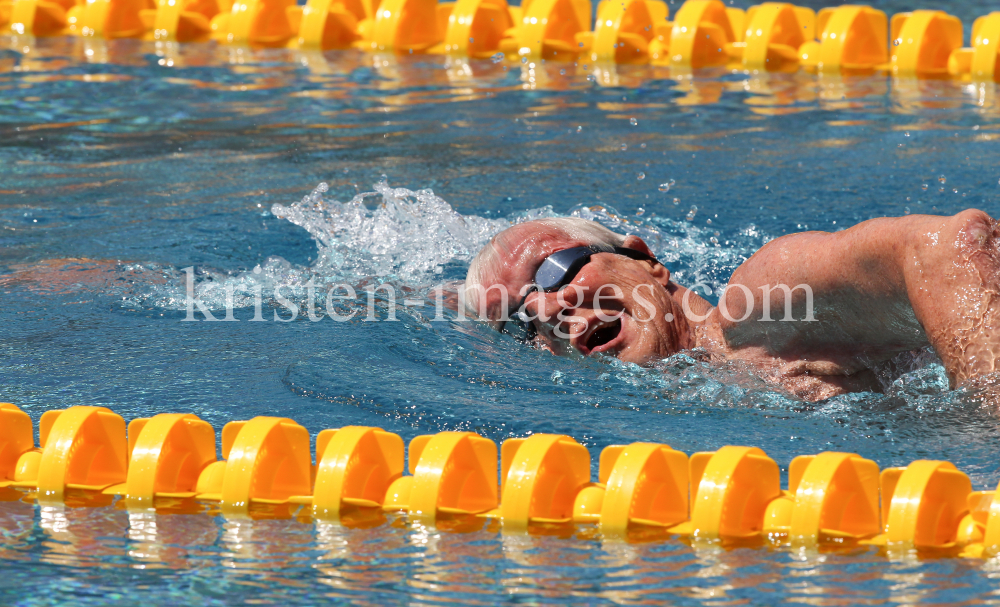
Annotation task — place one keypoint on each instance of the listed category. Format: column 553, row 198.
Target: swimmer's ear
column 637, row 244
column 658, row 270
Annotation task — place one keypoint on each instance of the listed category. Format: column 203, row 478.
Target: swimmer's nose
column 546, row 306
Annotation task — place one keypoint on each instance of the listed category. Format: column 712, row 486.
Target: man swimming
column 814, row 312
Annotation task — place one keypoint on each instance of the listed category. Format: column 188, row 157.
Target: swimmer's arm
column 848, row 293
column 882, row 287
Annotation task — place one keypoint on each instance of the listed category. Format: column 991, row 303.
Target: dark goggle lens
column 561, row 267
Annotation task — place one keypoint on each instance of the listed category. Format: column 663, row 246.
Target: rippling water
column 122, row 164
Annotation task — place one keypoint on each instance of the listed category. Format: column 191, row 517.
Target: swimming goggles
column 557, row 271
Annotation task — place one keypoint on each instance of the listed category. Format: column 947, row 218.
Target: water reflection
column 912, row 96
column 82, row 532
column 698, row 91
column 171, row 537
column 273, row 550
column 637, row 572
column 836, row 90
column 547, row 566
column 415, row 80
column 448, row 563
column 547, row 76
column 351, row 562
column 373, row 559
column 983, row 95
column 723, row 570
column 17, row 520
column 625, row 76
column 177, row 55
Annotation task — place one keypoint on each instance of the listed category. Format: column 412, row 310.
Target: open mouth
column 604, row 335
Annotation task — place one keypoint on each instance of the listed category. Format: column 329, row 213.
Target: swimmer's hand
column 447, row 294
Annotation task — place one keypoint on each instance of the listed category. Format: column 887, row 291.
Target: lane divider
column 852, row 38
column 923, row 42
column 773, row 36
column 733, row 494
column 705, row 33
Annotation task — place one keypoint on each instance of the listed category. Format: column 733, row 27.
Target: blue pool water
column 122, row 164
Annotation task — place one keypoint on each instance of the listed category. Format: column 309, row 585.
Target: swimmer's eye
column 520, row 328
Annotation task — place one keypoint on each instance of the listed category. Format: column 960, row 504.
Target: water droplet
column 579, row 129
column 505, row 68
column 640, row 176
column 624, row 146
column 942, row 179
column 639, row 212
column 906, row 210
column 591, row 78
column 643, row 146
column 897, row 41
column 471, row 40
column 497, row 58
column 633, row 121
column 677, row 200
column 524, row 59
column 924, row 187
column 906, row 134
column 562, row 72
column 664, row 187
column 692, row 212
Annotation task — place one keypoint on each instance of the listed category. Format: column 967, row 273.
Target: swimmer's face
column 614, row 305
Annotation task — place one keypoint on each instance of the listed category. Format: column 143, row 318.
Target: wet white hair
column 488, row 263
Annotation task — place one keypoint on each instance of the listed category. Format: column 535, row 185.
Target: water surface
column 124, row 163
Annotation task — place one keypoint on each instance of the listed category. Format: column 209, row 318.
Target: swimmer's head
column 617, row 303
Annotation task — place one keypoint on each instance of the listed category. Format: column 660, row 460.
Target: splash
column 407, row 239
column 409, row 235
column 415, row 240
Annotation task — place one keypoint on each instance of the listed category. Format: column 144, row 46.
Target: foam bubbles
column 407, row 236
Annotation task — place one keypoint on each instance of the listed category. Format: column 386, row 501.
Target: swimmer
column 814, row 312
